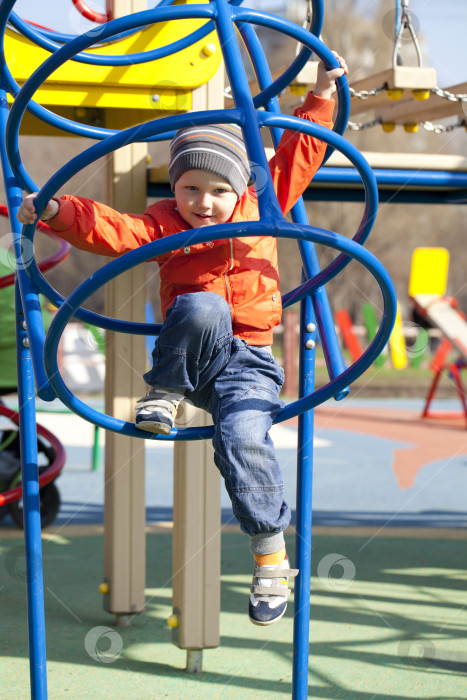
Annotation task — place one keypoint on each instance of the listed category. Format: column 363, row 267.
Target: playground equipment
column 50, row 450
column 405, row 95
column 387, row 91
column 225, row 17
column 427, row 289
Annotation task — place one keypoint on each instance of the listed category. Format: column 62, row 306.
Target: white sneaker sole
column 271, row 622
column 151, row 426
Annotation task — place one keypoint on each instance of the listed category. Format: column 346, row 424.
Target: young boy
column 220, row 302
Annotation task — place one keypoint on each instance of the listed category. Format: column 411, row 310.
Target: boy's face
column 204, row 199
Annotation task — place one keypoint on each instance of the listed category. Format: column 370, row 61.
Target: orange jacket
column 242, row 270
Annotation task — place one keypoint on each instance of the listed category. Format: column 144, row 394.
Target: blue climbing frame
column 315, row 314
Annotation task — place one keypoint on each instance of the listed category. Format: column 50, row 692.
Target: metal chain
column 428, row 126
column 360, row 126
column 442, row 128
column 365, row 94
column 446, row 95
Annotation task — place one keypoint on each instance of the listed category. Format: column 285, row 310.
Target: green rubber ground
column 388, row 620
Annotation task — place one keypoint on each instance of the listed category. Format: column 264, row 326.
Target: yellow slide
column 427, row 287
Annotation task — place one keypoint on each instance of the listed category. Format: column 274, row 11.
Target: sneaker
column 156, row 411
column 269, row 593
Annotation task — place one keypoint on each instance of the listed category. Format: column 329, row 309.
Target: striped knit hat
column 217, row 148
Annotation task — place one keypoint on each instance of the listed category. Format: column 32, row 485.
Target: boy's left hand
column 326, row 80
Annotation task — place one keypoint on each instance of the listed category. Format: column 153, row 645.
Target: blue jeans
column 239, row 385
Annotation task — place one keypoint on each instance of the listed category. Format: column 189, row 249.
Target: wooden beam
column 400, row 78
column 405, row 161
column 399, row 161
column 409, row 111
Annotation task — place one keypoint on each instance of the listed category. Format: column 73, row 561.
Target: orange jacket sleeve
column 299, row 156
column 98, row 228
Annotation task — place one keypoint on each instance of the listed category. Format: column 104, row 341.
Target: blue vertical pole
column 31, row 510
column 333, row 356
column 304, row 505
column 28, row 445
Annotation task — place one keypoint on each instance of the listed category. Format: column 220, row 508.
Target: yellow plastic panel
column 114, row 97
column 429, row 271
column 156, row 85
column 397, row 343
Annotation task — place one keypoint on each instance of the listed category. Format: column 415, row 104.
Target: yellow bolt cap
column 388, row 127
column 411, row 128
column 209, row 49
column 104, row 588
column 298, row 90
column 421, row 95
column 395, row 94
column 172, row 620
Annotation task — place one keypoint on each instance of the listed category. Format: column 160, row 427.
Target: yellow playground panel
column 397, row 343
column 429, row 271
column 78, row 87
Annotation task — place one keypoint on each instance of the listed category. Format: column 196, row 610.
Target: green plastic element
column 8, row 377
column 96, row 450
column 417, row 351
column 371, row 325
column 97, row 335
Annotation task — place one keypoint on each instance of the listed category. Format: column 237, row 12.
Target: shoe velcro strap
column 270, row 590
column 153, row 405
column 276, row 573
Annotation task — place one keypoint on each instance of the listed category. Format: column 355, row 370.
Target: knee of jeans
column 247, row 437
column 200, row 308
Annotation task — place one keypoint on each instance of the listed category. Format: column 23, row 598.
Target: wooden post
column 125, row 508
column 196, row 540
column 197, row 531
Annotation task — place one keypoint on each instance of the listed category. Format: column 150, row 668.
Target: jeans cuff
column 267, row 543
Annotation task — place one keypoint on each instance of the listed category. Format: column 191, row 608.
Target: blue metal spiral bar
column 25, row 295
column 29, row 295
column 274, row 88
column 41, row 39
column 224, row 231
column 301, row 35
column 66, row 52
column 49, row 39
column 332, row 353
column 102, row 148
column 24, row 100
column 272, row 223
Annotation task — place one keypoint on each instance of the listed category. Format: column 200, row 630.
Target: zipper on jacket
column 227, row 283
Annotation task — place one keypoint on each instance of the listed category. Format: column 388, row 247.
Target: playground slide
column 443, row 315
column 427, row 288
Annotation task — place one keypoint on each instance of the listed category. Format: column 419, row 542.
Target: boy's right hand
column 27, row 212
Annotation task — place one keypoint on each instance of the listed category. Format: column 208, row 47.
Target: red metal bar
column 48, row 474
column 94, row 16
column 455, row 370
